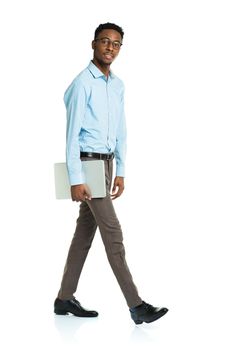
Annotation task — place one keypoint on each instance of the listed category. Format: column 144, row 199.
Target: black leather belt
column 103, row 156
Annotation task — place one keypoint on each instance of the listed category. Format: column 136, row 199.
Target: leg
column 79, row 248
column 111, row 233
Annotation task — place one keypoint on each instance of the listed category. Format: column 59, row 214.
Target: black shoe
column 63, row 307
column 146, row 313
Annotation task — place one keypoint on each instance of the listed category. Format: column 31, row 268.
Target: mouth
column 108, row 56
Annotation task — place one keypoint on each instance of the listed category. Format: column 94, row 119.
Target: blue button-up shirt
column 95, row 120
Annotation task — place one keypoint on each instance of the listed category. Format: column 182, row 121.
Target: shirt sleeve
column 75, row 102
column 121, row 141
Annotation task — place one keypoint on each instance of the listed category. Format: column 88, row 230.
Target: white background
column 175, row 208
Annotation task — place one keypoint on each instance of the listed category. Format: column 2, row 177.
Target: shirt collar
column 97, row 73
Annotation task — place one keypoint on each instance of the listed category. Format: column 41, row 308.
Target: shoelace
column 148, row 306
column 76, row 301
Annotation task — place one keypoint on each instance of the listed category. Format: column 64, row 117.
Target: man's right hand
column 80, row 193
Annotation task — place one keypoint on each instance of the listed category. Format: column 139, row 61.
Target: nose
column 110, row 45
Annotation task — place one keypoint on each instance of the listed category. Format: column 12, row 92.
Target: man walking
column 96, row 129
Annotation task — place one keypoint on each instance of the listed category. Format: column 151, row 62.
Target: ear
column 93, row 44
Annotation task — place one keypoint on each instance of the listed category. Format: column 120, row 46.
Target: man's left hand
column 118, row 182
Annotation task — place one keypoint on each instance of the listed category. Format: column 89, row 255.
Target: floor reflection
column 69, row 325
column 143, row 334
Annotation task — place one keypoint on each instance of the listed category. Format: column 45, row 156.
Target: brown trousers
column 98, row 212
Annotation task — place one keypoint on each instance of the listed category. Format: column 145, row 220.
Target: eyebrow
column 105, row 37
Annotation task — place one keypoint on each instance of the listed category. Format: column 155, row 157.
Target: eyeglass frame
column 109, row 42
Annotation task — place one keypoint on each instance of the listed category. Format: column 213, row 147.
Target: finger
column 82, row 197
column 87, row 193
column 87, row 197
column 113, row 194
column 114, row 187
column 116, row 195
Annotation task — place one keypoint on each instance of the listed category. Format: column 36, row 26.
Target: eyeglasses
column 106, row 41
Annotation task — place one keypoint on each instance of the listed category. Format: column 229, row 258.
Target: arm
column 75, row 101
column 120, row 153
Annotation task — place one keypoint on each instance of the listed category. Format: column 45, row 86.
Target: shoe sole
column 63, row 312
column 60, row 312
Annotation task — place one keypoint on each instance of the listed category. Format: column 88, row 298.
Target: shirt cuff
column 120, row 171
column 76, row 179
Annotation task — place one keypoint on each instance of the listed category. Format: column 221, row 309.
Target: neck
column 103, row 67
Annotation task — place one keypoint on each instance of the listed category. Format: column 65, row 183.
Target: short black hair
column 108, row 26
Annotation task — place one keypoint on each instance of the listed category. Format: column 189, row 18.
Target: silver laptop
column 94, row 171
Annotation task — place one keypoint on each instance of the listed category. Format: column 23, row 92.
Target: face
column 106, row 46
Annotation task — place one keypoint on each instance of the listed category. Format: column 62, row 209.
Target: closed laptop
column 94, row 171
